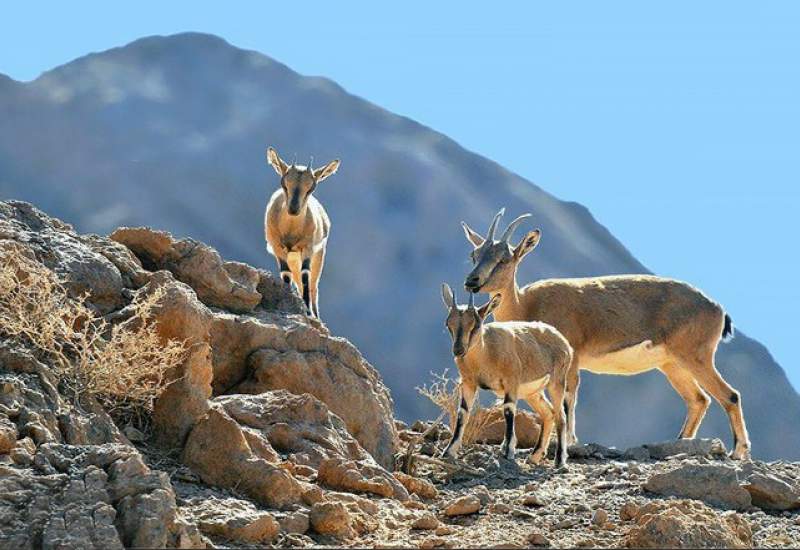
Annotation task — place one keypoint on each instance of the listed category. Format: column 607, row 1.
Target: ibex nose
column 458, row 351
column 472, row 283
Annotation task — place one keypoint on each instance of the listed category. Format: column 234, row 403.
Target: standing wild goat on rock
column 297, row 226
column 514, row 360
column 622, row 324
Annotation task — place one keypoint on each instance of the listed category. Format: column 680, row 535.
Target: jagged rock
column 689, row 447
column 420, row 487
column 218, row 452
column 526, row 427
column 185, row 400
column 715, row 484
column 234, row 519
column 227, row 285
column 304, row 360
column 361, row 476
column 303, row 429
column 88, row 496
column 687, row 524
column 463, row 506
column 83, row 266
column 768, row 489
column 331, row 518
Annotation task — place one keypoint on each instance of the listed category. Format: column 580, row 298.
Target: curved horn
column 512, row 226
column 311, row 164
column 294, row 162
column 490, row 234
column 472, row 299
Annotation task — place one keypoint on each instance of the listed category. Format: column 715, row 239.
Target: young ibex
column 624, row 324
column 297, row 226
column 514, row 360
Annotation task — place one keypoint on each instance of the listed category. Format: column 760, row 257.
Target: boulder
column 360, row 476
column 717, row 485
column 687, row 524
column 331, row 518
column 769, row 489
column 462, row 506
column 526, row 427
column 302, row 359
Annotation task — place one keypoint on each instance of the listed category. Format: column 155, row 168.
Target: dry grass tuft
column 121, row 365
column 444, row 392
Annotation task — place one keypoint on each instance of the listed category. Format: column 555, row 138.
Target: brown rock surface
column 234, row 520
column 332, row 518
column 526, row 426
column 687, row 524
column 418, row 486
column 218, row 451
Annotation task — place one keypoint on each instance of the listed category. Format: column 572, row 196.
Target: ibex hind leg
column 544, row 409
column 571, row 401
column 697, row 401
column 710, row 380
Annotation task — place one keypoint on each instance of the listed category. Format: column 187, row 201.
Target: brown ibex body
column 623, row 324
column 297, row 227
column 515, row 360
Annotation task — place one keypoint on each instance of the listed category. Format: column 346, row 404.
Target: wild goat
column 297, row 226
column 513, row 359
column 622, row 324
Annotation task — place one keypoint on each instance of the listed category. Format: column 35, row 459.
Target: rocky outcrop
column 687, row 524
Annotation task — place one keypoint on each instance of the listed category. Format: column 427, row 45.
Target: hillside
column 170, row 132
column 270, row 431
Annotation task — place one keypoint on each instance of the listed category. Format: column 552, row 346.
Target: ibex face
column 465, row 322
column 496, row 261
column 298, row 182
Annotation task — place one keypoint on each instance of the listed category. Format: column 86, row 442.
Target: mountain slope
column 171, row 132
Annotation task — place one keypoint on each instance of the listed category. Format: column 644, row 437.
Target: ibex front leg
column 286, row 273
column 305, row 278
column 467, row 398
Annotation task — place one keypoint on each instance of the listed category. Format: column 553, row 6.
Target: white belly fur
column 632, row 360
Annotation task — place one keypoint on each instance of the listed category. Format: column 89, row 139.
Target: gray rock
column 640, row 454
column 688, row 447
column 715, row 484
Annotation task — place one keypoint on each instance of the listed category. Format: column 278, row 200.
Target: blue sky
column 677, row 124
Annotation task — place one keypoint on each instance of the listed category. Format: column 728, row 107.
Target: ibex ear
column 527, row 244
column 327, row 170
column 277, row 162
column 489, row 306
column 447, row 296
column 472, row 236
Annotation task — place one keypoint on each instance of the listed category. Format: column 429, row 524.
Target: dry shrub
column 122, row 365
column 445, row 392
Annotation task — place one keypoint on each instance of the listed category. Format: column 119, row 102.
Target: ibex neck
column 510, row 303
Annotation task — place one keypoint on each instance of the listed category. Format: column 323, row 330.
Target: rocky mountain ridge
column 273, row 432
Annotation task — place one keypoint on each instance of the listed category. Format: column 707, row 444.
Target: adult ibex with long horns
column 622, row 324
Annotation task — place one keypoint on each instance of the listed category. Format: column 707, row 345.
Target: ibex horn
column 513, row 226
column 490, row 234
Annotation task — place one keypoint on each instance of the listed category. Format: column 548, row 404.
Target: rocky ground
column 273, row 432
